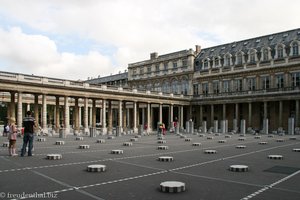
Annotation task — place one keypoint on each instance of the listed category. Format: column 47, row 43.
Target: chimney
column 198, row 49
column 153, row 55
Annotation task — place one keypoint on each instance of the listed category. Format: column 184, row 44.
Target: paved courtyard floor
column 137, row 173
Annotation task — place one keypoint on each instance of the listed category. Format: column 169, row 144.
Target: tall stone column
column 148, row 117
column 57, row 116
column 110, row 117
column 104, row 129
column 143, row 116
column 100, row 112
column 224, row 112
column 135, row 130
column 94, row 113
column 28, row 107
column 250, row 114
column 44, row 114
column 90, row 121
column 160, row 113
column 297, row 113
column 265, row 110
column 20, row 109
column 86, row 115
column 12, row 105
column 79, row 116
column 36, row 109
column 67, row 115
column 280, row 114
column 201, row 115
column 76, row 113
column 237, row 111
column 212, row 117
column 171, row 115
column 124, row 117
column 181, row 117
column 120, row 114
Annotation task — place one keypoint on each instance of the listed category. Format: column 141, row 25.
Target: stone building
column 256, row 79
column 118, row 80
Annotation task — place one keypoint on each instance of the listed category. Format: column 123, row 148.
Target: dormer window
column 295, row 49
column 205, row 64
column 265, row 56
column 227, row 60
column 217, row 62
column 252, row 56
column 239, row 60
column 280, row 51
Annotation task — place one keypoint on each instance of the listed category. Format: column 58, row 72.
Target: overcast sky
column 76, row 39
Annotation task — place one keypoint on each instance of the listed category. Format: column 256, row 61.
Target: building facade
column 256, row 80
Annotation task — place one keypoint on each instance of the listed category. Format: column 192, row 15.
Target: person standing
column 12, row 137
column 29, row 125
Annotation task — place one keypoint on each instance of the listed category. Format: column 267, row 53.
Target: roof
column 257, row 43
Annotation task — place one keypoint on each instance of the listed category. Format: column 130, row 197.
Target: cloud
column 136, row 28
column 37, row 54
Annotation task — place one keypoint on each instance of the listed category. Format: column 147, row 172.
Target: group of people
column 11, row 131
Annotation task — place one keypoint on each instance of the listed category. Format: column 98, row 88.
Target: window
column 265, row 55
column 205, row 66
column 142, row 70
column 238, row 85
column 216, row 87
column 217, row 62
column 251, row 83
column 295, row 49
column 280, row 51
column 157, row 87
column 205, row 88
column 195, row 89
column 184, row 63
column 174, row 64
column 227, row 60
column 174, row 87
column 295, row 79
column 184, row 86
column 157, row 68
column 265, row 82
column 165, row 87
column 149, row 86
column 149, row 69
column 252, row 56
column 279, row 81
column 239, row 59
column 165, row 66
column 226, row 87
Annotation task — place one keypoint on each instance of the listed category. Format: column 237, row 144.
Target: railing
column 8, row 76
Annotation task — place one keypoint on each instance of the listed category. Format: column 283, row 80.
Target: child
column 12, row 137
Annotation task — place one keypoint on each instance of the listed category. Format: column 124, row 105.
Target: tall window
column 227, row 60
column 216, row 87
column 252, row 56
column 295, row 79
column 265, row 82
column 141, row 70
column 165, row 87
column 238, row 85
column 217, row 62
column 205, row 88
column 157, row 68
column 184, row 63
column 295, row 49
column 165, row 66
column 226, row 87
column 184, row 86
column 149, row 87
column 239, row 58
column 175, row 87
column 279, row 81
column 265, row 55
column 174, row 64
column 149, row 69
column 251, row 83
column 280, row 51
column 157, row 87
column 205, row 64
column 196, row 89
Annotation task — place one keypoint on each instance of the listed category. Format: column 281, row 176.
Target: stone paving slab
column 136, row 174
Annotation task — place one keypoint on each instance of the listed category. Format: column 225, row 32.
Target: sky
column 80, row 39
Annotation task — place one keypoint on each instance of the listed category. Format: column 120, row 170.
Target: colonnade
column 126, row 117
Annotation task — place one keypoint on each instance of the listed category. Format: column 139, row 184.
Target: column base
column 67, row 131
column 86, row 131
column 135, row 130
column 104, row 131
